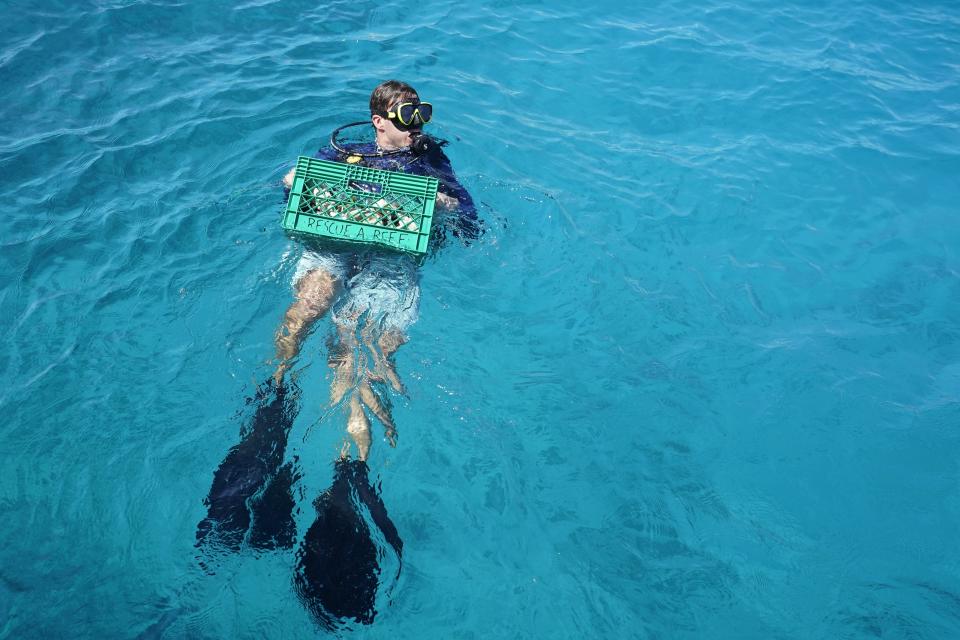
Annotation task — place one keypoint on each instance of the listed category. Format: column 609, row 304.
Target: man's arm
column 325, row 153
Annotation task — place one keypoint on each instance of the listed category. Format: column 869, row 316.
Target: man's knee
column 316, row 289
column 391, row 340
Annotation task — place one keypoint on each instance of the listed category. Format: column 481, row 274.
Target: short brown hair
column 388, row 94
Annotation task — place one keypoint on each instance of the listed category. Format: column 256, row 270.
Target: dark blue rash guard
column 463, row 223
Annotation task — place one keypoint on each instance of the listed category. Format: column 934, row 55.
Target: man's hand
column 288, row 179
column 446, row 201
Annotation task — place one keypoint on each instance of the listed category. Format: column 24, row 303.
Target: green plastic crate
column 360, row 204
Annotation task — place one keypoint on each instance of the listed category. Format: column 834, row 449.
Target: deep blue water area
column 700, row 378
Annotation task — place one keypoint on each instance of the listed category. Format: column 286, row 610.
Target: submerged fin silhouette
column 337, row 572
column 273, row 526
column 254, row 466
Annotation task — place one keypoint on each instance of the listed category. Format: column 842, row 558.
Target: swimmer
column 373, row 298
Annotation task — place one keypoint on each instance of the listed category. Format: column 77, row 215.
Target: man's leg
column 381, row 349
column 359, row 427
column 315, row 292
column 342, row 360
column 345, row 376
column 389, row 342
column 373, row 403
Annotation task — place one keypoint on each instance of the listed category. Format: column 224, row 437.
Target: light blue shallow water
column 701, row 378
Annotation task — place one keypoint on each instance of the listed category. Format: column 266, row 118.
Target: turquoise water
column 700, row 379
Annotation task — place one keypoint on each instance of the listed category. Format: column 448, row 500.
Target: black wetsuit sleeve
column 327, row 153
column 468, row 224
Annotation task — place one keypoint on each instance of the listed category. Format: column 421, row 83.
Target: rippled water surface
column 700, row 378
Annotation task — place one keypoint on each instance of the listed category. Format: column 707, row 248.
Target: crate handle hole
column 367, row 187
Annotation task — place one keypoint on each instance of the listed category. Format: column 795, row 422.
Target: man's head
column 384, row 101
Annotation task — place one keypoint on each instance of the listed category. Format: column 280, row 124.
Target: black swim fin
column 273, row 526
column 338, row 571
column 252, row 465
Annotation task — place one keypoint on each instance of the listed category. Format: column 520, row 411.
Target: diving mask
column 410, row 114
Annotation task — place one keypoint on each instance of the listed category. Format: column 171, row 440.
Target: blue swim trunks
column 382, row 287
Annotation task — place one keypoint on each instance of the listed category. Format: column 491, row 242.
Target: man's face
column 389, row 136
